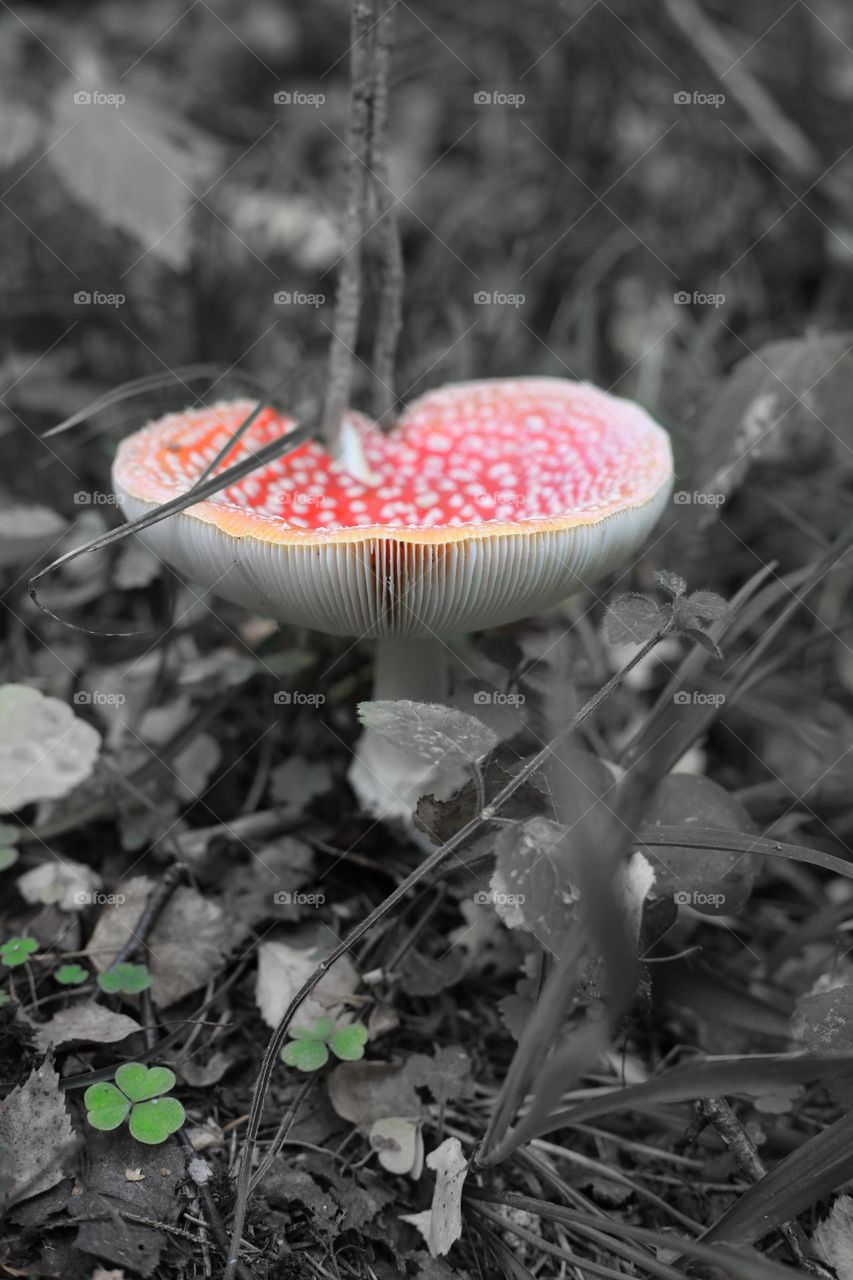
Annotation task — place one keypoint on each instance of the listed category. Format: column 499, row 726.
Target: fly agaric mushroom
column 490, row 501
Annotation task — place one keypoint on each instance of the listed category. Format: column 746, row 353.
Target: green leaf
column 708, row 606
column 128, row 979
column 433, row 733
column 712, row 881
column 632, row 619
column 140, row 1082
column 671, row 583
column 348, row 1042
column 9, row 833
column 8, row 857
column 106, row 1106
column 305, row 1055
column 15, row 951
column 71, row 975
column 321, row 1030
column 152, row 1122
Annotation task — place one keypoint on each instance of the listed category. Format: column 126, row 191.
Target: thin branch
column 390, row 313
column 348, row 299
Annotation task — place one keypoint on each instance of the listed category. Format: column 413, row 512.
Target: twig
column 157, row 900
column 389, row 317
column 718, row 1112
column 348, row 298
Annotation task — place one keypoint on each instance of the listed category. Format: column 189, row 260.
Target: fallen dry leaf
column 283, row 969
column 36, row 1129
column 364, row 1092
column 86, row 1023
column 177, row 968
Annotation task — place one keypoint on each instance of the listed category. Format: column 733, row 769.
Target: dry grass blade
column 731, row 842
column 150, row 382
column 739, row 1266
column 753, row 1075
column 198, row 493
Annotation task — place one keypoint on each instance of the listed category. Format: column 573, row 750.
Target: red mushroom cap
column 493, row 499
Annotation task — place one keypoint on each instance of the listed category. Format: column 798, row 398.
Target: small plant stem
column 426, row 868
column 287, row 1122
column 32, row 982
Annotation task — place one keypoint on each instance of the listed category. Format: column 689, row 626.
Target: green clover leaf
column 152, row 1122
column 8, row 857
column 16, row 951
column 141, row 1083
column 137, row 1092
column 70, row 975
column 348, row 1042
column 127, row 979
column 106, row 1106
column 309, row 1046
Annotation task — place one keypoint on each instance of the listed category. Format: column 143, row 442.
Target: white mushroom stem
column 387, row 779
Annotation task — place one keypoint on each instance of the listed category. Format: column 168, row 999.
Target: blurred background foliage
column 599, row 199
